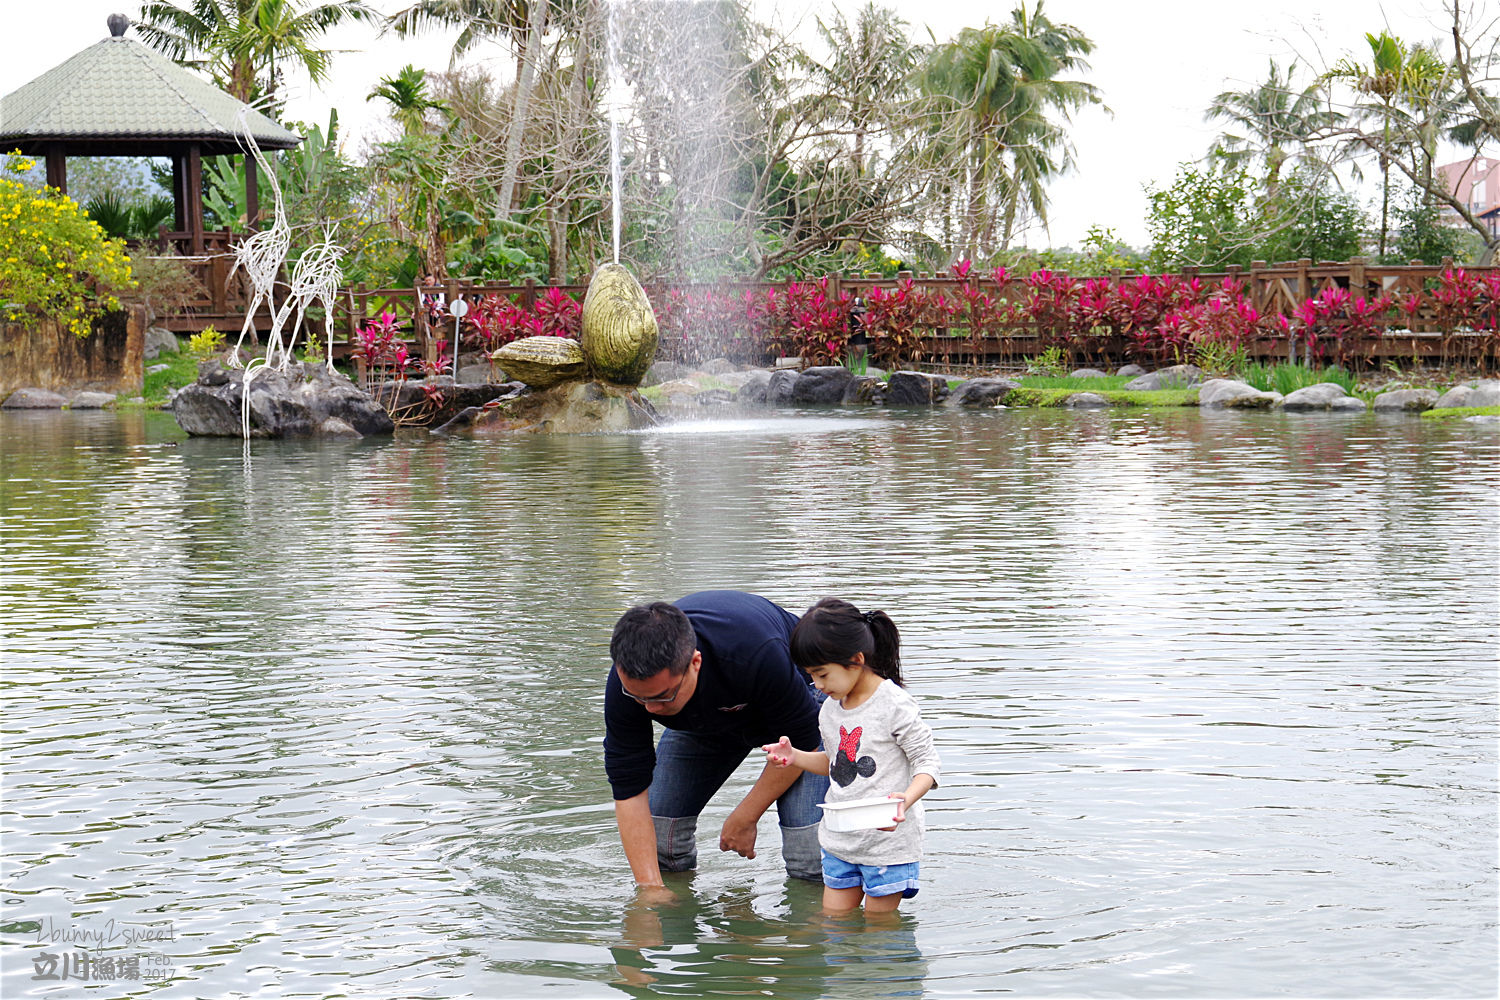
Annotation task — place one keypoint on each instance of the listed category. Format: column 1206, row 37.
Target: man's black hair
column 650, row 638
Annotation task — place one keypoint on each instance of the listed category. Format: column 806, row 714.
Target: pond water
column 1215, row 695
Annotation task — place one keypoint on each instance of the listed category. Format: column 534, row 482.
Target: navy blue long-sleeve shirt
column 748, row 693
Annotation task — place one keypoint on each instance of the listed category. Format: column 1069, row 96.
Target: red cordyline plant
column 697, row 324
column 1334, row 322
column 495, row 321
column 379, row 347
column 804, row 321
column 1464, row 302
column 558, row 314
column 387, row 362
column 1052, row 302
column 891, row 321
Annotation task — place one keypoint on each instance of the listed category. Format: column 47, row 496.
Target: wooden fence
column 1270, row 288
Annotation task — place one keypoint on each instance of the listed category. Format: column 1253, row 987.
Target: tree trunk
column 521, row 106
column 557, row 244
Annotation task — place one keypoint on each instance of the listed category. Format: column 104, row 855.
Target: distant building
column 1476, row 183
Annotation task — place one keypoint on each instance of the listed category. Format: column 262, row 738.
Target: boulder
column 915, row 389
column 1454, row 398
column 160, row 340
column 482, row 373
column 665, row 371
column 542, row 362
column 1348, row 404
column 1088, row 373
column 1131, row 370
column 334, row 427
column 718, row 366
column 982, row 392
column 737, row 380
column 1223, row 393
column 618, row 333
column 1405, row 400
column 753, row 390
column 153, row 369
column 587, row 407
column 1175, row 377
column 295, row 403
column 1486, row 393
column 864, row 389
column 779, row 388
column 1315, row 397
column 1086, row 401
column 90, row 400
column 714, row 397
column 824, row 384
column 680, row 387
column 34, row 399
column 1482, row 418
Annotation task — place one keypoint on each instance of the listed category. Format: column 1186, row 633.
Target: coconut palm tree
column 1003, row 86
column 476, row 21
column 407, row 94
column 246, row 44
column 1395, row 76
column 523, row 24
column 869, row 68
column 1274, row 121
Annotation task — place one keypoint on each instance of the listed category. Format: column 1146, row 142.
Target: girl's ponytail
column 833, row 631
column 885, row 658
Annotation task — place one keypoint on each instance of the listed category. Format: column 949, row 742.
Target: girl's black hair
column 832, row 631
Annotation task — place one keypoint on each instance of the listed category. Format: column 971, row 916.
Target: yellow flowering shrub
column 54, row 260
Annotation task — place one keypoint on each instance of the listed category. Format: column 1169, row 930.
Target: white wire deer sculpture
column 315, row 277
column 261, row 254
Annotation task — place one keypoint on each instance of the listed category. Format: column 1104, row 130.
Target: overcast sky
column 1158, row 63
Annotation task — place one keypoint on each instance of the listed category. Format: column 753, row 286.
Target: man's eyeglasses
column 660, row 699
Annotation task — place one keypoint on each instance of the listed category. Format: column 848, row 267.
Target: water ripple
column 1215, row 693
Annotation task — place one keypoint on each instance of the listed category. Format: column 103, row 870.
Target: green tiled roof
column 121, row 90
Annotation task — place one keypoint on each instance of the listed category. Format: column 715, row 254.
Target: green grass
column 706, row 383
column 1076, row 384
column 1028, row 396
column 182, row 368
column 1461, row 411
column 1287, row 379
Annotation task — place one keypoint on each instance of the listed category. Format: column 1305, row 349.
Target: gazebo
column 119, row 97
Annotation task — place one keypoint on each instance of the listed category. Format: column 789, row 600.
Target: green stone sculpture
column 542, row 362
column 619, row 329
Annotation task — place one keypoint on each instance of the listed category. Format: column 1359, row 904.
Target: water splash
column 615, row 107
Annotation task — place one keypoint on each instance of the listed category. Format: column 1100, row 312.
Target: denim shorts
column 875, row 880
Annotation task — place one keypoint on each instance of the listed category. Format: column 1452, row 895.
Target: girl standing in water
column 877, row 745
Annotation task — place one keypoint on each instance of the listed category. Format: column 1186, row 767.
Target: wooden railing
column 1271, row 288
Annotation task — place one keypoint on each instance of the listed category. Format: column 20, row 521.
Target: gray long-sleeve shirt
column 875, row 750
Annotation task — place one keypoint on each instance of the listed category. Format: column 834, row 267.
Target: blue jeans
column 690, row 769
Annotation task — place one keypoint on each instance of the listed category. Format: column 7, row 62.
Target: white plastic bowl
column 859, row 814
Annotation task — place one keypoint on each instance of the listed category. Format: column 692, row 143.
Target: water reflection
column 696, row 945
column 1215, row 694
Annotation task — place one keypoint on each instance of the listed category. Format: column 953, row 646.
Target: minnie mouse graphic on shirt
column 846, row 764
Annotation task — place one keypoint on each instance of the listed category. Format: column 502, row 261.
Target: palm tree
column 870, row 67
column 1003, row 85
column 523, row 23
column 476, row 21
column 246, row 43
column 1394, row 74
column 1276, row 120
column 408, row 97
